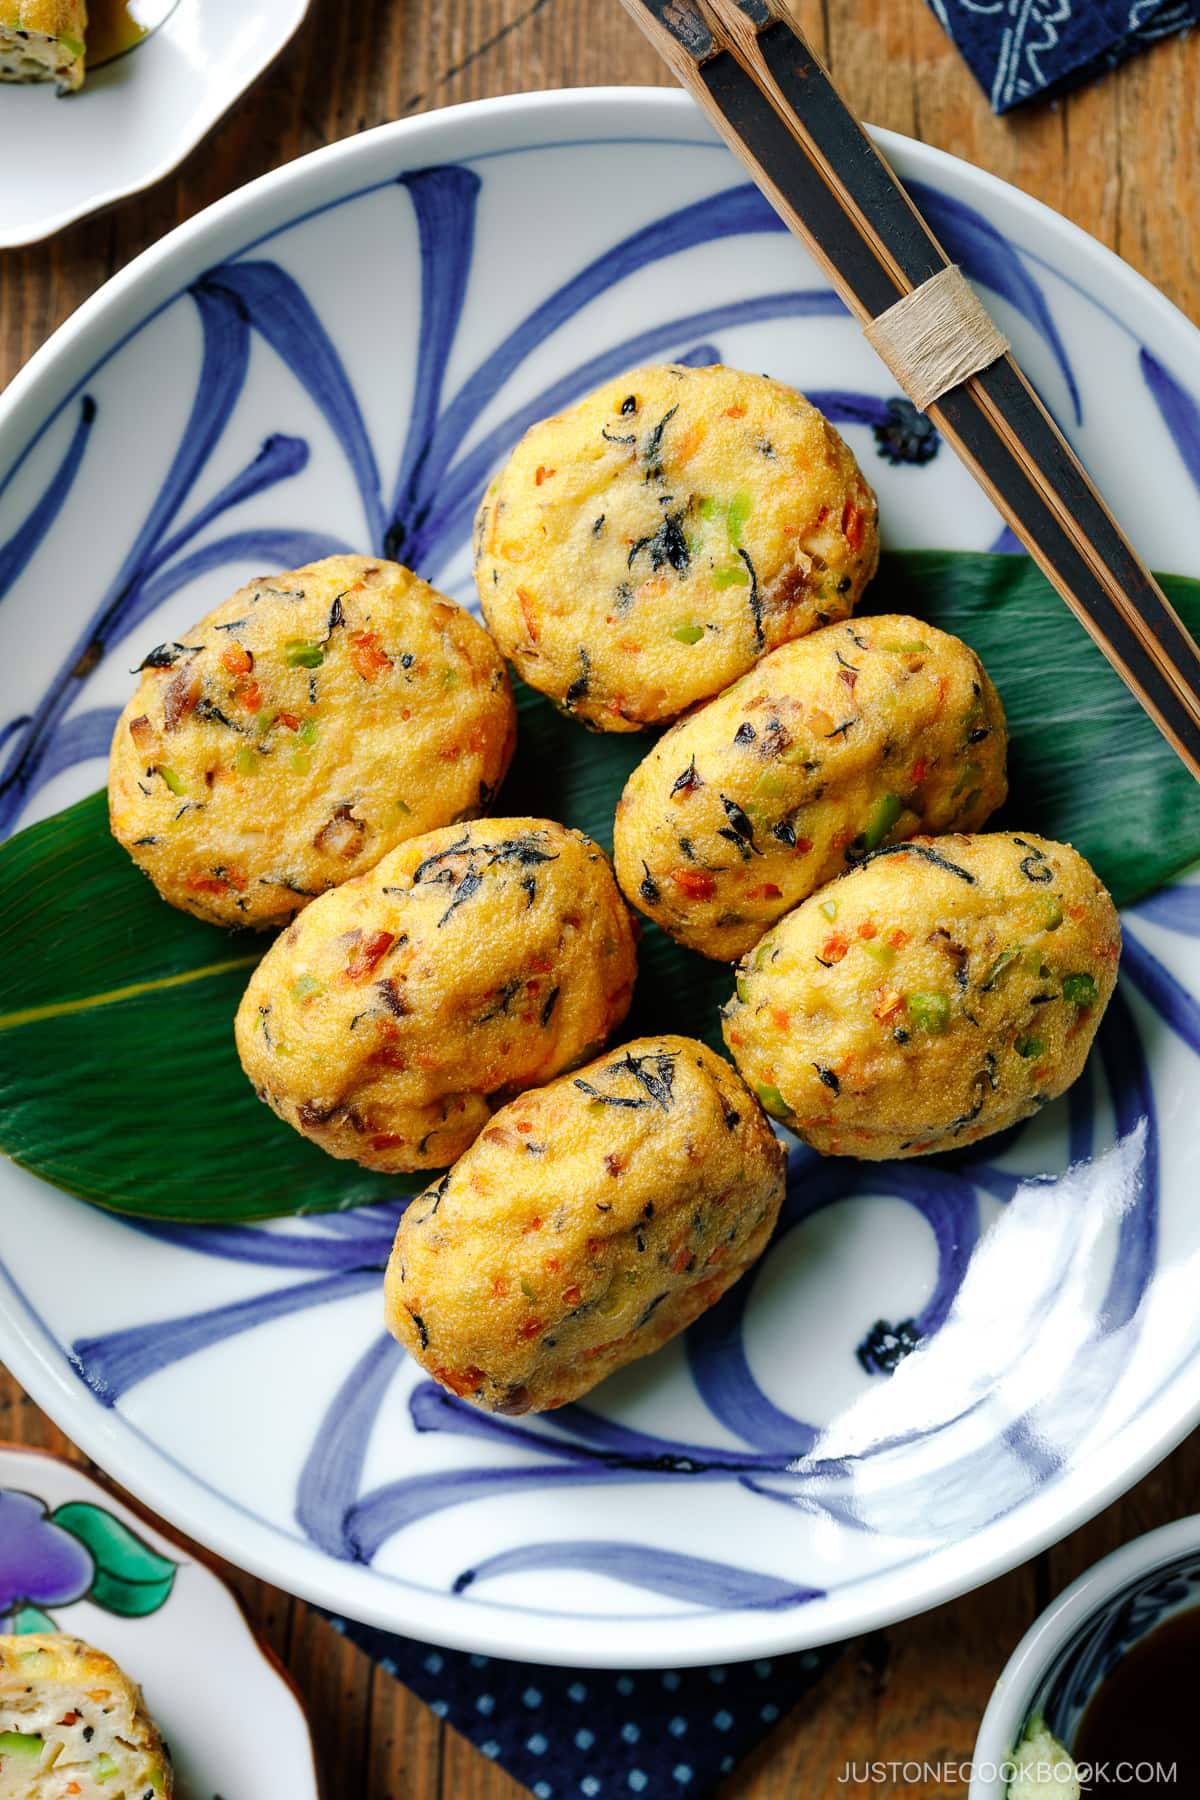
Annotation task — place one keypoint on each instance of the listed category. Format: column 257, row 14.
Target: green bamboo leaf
column 131, row 1579
column 119, row 1080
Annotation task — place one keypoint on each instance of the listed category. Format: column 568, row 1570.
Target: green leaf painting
column 118, row 1075
column 28, row 1619
column 131, row 1579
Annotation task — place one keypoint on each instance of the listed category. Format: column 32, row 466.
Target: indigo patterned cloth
column 1031, row 49
column 601, row 1734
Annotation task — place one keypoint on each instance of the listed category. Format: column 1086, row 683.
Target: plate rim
column 687, row 1639
column 73, row 213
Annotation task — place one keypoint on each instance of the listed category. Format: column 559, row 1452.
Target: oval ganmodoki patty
column 946, row 989
column 642, row 550
column 861, row 734
column 467, row 965
column 589, row 1222
column 301, row 731
column 72, row 1724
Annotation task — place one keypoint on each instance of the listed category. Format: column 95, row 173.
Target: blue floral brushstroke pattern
column 423, row 512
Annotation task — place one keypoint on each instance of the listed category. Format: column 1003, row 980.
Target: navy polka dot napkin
column 601, row 1734
column 1032, row 49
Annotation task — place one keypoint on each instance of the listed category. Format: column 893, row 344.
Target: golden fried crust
column 859, row 735
column 43, row 40
column 303, row 730
column 469, row 964
column 945, row 990
column 96, row 1735
column 589, row 1223
column 641, row 551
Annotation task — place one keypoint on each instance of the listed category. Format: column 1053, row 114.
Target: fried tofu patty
column 43, row 40
column 72, row 1724
column 303, row 730
column 858, row 735
column 590, row 1222
column 945, row 990
column 641, row 551
column 396, row 1011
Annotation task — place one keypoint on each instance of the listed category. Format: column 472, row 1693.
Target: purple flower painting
column 79, row 1552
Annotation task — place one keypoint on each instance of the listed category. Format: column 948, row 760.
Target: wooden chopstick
column 772, row 100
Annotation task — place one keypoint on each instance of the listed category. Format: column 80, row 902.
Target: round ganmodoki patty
column 641, row 551
column 390, row 1018
column 861, row 734
column 590, row 1222
column 301, row 731
column 943, row 991
column 72, row 1723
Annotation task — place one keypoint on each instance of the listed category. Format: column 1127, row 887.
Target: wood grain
column 1122, row 159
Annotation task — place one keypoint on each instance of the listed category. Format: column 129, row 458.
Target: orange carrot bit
column 367, row 655
column 518, row 550
column 572, row 1295
column 887, row 1005
column 690, row 441
column 534, row 1224
column 834, row 948
column 70, row 1718
column 387, row 1140
column 897, row 939
column 766, row 890
column 237, row 660
column 499, row 1287
column 531, row 1328
column 524, row 1125
column 717, row 1255
column 680, row 1260
column 288, row 720
column 369, row 954
column 697, row 884
column 920, row 770
column 525, row 601
column 99, row 1694
column 780, row 1018
column 613, row 1164
column 552, row 1263
column 735, row 412
column 250, row 695
column 802, row 846
column 201, row 881
column 868, row 929
column 852, row 525
column 543, row 474
column 460, row 1381
column 72, row 1787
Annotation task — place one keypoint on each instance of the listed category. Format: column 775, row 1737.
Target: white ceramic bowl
column 1066, row 1654
column 339, row 355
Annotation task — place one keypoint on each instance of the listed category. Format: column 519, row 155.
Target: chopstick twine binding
column 936, row 337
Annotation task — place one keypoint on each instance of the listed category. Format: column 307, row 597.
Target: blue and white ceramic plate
column 336, row 358
column 75, row 1558
column 140, row 110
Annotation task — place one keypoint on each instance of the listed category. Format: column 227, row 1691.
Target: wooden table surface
column 1122, row 159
